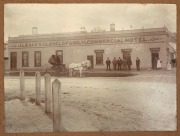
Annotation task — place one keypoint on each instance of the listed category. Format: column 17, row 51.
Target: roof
column 80, row 35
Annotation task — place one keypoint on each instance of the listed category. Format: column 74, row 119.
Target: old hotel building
column 32, row 52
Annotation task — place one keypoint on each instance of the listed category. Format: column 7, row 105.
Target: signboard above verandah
column 99, row 41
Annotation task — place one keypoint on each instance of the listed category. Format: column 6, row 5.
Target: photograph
column 90, row 67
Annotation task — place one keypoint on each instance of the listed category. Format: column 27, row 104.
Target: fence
column 52, row 96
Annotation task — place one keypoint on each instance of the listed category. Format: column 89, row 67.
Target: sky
column 56, row 18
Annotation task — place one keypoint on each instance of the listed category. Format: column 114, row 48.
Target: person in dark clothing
column 114, row 63
column 119, row 63
column 129, row 63
column 124, row 64
column 108, row 62
column 58, row 60
column 138, row 64
column 155, row 63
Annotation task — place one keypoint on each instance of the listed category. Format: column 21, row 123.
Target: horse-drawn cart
column 74, row 69
column 57, row 68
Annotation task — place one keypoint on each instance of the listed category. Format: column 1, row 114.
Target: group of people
column 122, row 64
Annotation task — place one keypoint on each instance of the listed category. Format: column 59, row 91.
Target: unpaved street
column 135, row 103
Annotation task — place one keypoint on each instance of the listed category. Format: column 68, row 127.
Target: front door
column 13, row 60
column 91, row 59
column 155, row 56
column 127, row 55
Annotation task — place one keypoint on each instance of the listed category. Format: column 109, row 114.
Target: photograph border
column 130, row 133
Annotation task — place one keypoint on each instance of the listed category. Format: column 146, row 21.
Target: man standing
column 119, row 63
column 138, row 64
column 108, row 62
column 155, row 63
column 124, row 64
column 114, row 63
column 129, row 63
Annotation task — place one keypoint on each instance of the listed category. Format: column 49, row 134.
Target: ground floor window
column 25, row 59
column 99, row 57
column 37, row 58
column 59, row 53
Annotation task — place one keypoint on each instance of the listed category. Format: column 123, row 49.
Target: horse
column 79, row 67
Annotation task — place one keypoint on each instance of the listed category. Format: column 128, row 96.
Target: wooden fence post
column 56, row 90
column 48, row 93
column 22, row 84
column 38, row 88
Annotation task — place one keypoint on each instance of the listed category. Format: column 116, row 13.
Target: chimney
column 112, row 27
column 34, row 30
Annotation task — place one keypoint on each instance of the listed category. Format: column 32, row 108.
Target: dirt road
column 134, row 103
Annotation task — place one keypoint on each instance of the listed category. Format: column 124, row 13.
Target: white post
column 56, row 90
column 38, row 88
column 22, row 84
column 48, row 93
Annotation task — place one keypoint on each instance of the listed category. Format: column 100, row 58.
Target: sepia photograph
column 90, row 67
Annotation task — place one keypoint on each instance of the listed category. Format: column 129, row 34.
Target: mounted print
column 90, row 67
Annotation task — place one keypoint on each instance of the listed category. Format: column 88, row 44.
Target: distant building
column 6, row 56
column 32, row 52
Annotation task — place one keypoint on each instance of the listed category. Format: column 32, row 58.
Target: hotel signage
column 99, row 41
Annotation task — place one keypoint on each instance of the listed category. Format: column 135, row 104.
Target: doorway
column 91, row 59
column 13, row 60
column 154, row 56
column 127, row 55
